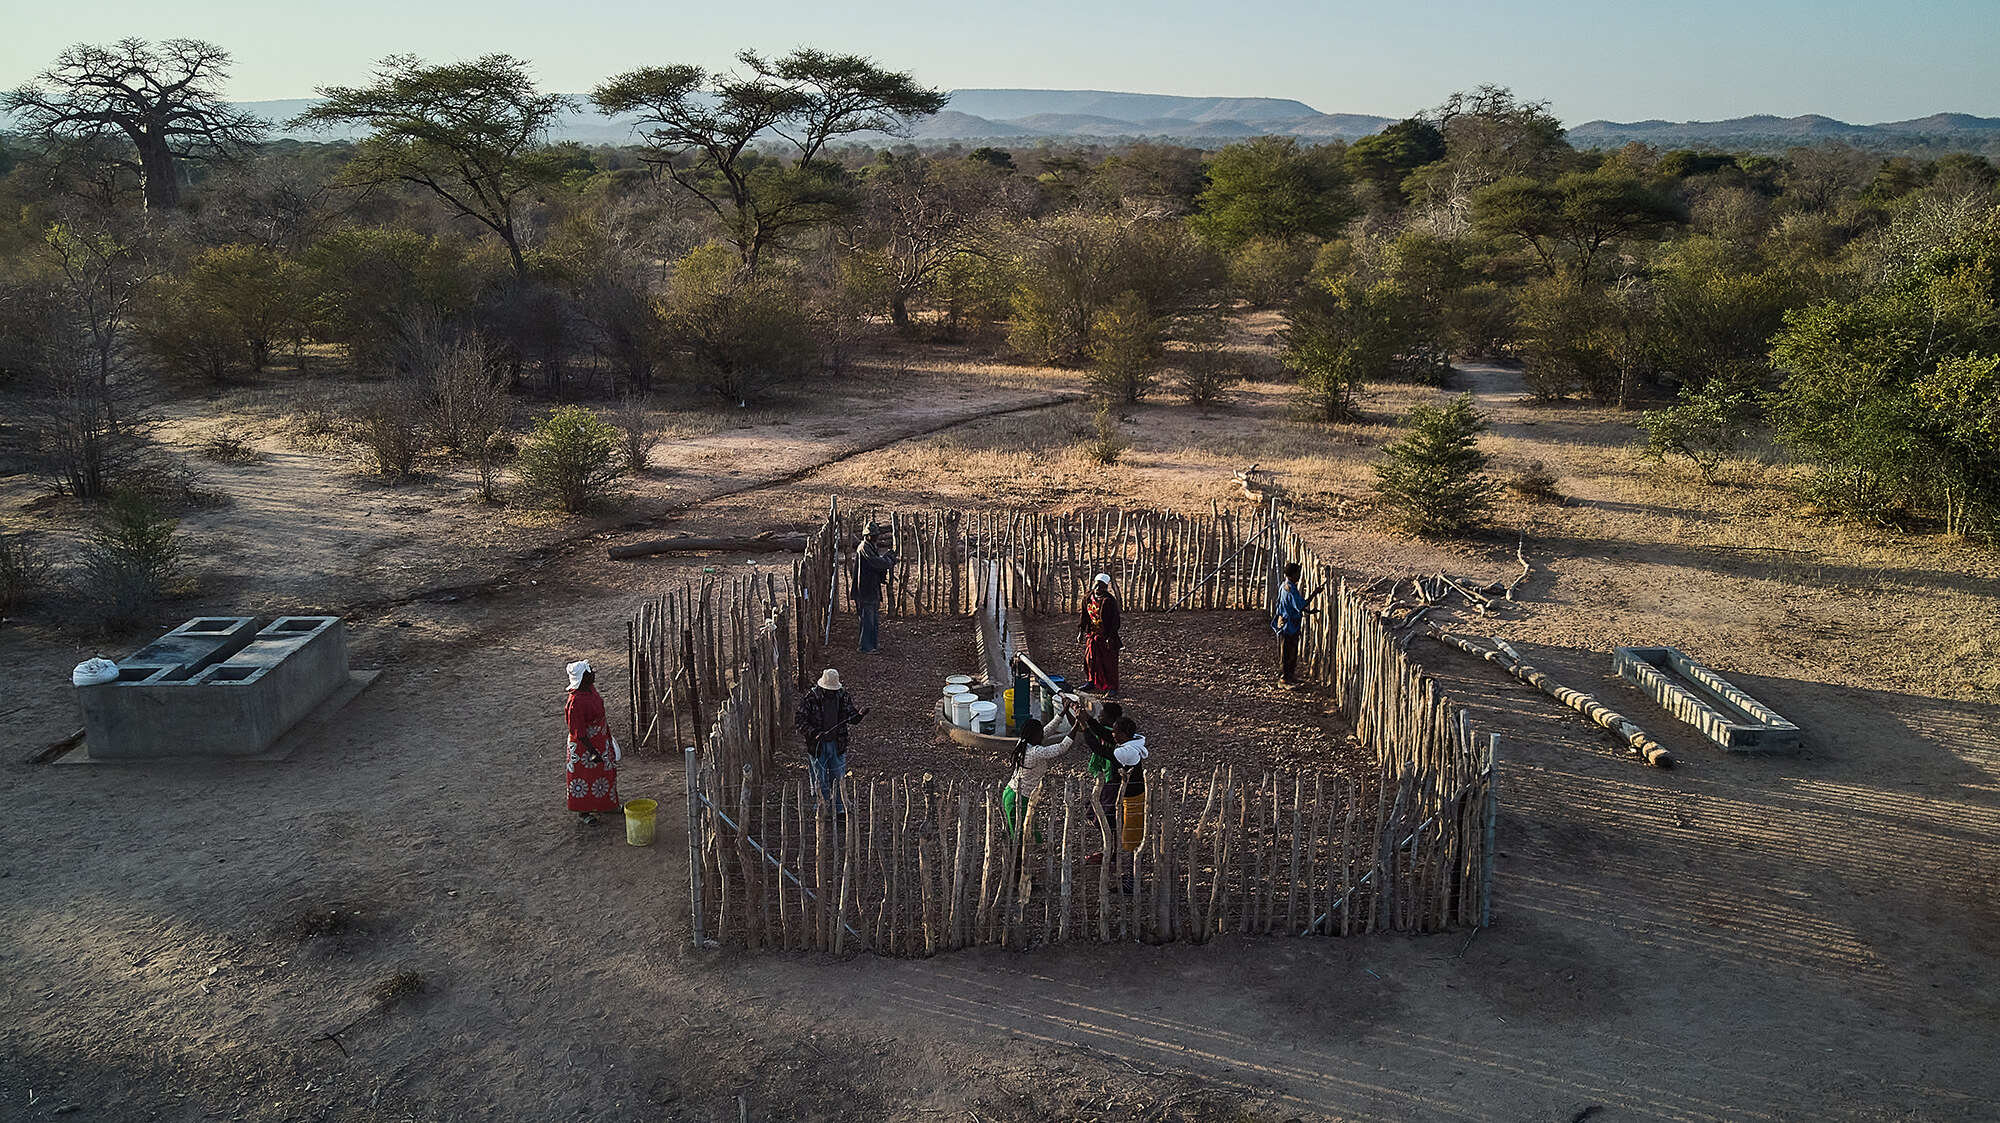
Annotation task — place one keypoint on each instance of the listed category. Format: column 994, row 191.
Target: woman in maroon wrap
column 1097, row 627
column 593, row 753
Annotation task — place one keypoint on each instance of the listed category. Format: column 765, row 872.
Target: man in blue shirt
column 1290, row 622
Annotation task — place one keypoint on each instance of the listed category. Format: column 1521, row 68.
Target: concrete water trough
column 215, row 686
column 1704, row 699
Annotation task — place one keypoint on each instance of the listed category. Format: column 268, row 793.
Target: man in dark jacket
column 1289, row 623
column 823, row 718
column 872, row 563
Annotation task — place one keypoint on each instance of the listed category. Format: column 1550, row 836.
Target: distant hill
column 1765, row 131
column 1011, row 105
column 1015, row 115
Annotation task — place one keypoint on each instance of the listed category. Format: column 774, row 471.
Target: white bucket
column 959, row 705
column 958, row 680
column 983, row 715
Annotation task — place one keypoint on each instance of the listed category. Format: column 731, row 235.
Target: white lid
column 983, row 708
column 959, row 680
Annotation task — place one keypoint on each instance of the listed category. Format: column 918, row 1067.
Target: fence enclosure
column 918, row 866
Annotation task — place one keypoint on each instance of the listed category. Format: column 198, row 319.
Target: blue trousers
column 829, row 767
column 871, row 624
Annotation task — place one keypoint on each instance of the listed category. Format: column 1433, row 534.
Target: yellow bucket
column 639, row 821
column 1007, row 711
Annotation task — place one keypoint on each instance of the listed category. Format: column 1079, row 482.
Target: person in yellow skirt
column 1131, row 755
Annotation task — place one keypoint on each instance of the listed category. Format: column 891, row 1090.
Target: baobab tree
column 165, row 101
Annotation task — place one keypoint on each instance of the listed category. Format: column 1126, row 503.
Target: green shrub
column 132, row 557
column 1108, row 445
column 1431, row 482
column 1706, row 426
column 569, row 460
column 1125, row 350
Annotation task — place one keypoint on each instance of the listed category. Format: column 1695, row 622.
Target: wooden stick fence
column 917, row 866
column 687, row 646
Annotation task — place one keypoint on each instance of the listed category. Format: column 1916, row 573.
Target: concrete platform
column 303, row 733
column 215, row 687
column 1704, row 699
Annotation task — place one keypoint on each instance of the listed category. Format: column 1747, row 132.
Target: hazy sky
column 1862, row 62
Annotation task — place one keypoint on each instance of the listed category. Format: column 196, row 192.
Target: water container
column 983, row 716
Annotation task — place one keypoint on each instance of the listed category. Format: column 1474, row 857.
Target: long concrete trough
column 1704, row 699
column 215, row 686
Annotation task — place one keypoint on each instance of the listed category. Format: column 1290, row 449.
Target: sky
column 1861, row 61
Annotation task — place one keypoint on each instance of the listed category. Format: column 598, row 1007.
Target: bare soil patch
column 1806, row 937
column 1200, row 685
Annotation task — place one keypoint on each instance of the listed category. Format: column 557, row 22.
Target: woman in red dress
column 593, row 753
column 1097, row 627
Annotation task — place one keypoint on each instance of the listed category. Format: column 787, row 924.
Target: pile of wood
column 1401, row 611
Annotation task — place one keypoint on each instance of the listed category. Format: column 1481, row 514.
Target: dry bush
column 23, row 571
column 467, row 397
column 1535, row 483
column 397, row 987
column 230, row 445
column 393, row 427
column 641, row 428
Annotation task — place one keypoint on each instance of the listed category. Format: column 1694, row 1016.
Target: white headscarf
column 1101, row 579
column 1131, row 752
column 576, row 672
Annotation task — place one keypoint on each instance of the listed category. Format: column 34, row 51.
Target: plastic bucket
column 958, row 680
column 983, row 714
column 961, row 707
column 1007, row 709
column 639, row 821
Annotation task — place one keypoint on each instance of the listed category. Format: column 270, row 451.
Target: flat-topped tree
column 704, row 126
column 475, row 134
column 164, row 100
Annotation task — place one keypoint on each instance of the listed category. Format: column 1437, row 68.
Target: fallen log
column 766, row 543
column 1637, row 741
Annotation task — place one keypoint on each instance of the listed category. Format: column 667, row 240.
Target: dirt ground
column 399, row 923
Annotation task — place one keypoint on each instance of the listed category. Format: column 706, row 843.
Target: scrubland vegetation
column 477, row 275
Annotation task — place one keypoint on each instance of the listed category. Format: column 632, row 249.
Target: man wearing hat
column 823, row 718
column 871, row 569
column 1097, row 627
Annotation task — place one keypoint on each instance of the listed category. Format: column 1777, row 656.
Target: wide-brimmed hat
column 1101, row 579
column 576, row 671
column 829, row 679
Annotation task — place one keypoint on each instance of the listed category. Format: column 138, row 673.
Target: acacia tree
column 165, row 101
column 1568, row 222
column 704, row 127
column 472, row 133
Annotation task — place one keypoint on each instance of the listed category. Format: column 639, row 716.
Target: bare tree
column 164, row 100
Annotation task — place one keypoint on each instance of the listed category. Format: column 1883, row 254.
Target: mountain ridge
column 1023, row 114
